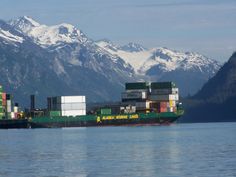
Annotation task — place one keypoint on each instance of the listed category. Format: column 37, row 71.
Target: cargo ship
column 142, row 103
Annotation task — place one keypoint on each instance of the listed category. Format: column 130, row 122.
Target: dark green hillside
column 216, row 101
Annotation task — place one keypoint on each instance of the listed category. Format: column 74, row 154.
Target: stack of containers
column 1, row 103
column 67, row 106
column 4, row 103
column 136, row 94
column 164, row 96
column 105, row 111
column 9, row 105
column 128, row 109
column 15, row 111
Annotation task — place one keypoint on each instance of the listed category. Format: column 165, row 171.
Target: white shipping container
column 73, row 106
column 73, row 112
column 8, row 109
column 64, row 106
column 134, row 95
column 174, row 97
column 73, row 99
column 80, row 106
column 12, row 115
column 16, row 109
column 8, row 102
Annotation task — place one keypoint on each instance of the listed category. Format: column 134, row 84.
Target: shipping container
column 15, row 109
column 9, row 106
column 163, row 109
column 8, row 97
column 4, row 96
column 137, row 86
column 66, row 103
column 72, row 106
column 105, row 110
column 163, row 104
column 165, row 91
column 129, row 109
column 54, row 113
column 162, row 85
column 172, row 103
column 12, row 115
column 174, row 97
column 142, row 105
column 73, row 99
column 73, row 112
column 134, row 95
column 78, row 106
column 4, row 102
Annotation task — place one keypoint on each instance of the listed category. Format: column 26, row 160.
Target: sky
column 204, row 26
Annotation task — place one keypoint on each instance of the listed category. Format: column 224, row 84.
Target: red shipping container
column 163, row 104
column 4, row 102
column 163, row 110
column 4, row 96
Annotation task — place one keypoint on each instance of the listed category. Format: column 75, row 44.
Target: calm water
column 176, row 150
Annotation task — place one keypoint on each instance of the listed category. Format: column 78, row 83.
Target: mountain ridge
column 82, row 66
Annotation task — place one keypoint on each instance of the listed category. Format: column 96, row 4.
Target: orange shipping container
column 163, row 109
column 163, row 105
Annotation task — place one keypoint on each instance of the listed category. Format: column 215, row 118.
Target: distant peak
column 133, row 47
column 105, row 40
column 24, row 23
column 67, row 25
column 65, row 28
column 163, row 49
column 29, row 20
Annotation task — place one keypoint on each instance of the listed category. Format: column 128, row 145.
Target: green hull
column 93, row 120
column 105, row 120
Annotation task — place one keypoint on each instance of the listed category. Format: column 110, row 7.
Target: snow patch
column 52, row 35
column 167, row 59
column 10, row 37
column 58, row 67
column 135, row 59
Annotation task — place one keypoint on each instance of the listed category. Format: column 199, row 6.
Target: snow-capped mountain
column 61, row 59
column 166, row 64
column 142, row 60
column 47, row 36
column 63, row 66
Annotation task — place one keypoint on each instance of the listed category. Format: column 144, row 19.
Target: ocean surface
column 171, row 151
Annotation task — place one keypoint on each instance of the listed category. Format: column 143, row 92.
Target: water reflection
column 178, row 150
